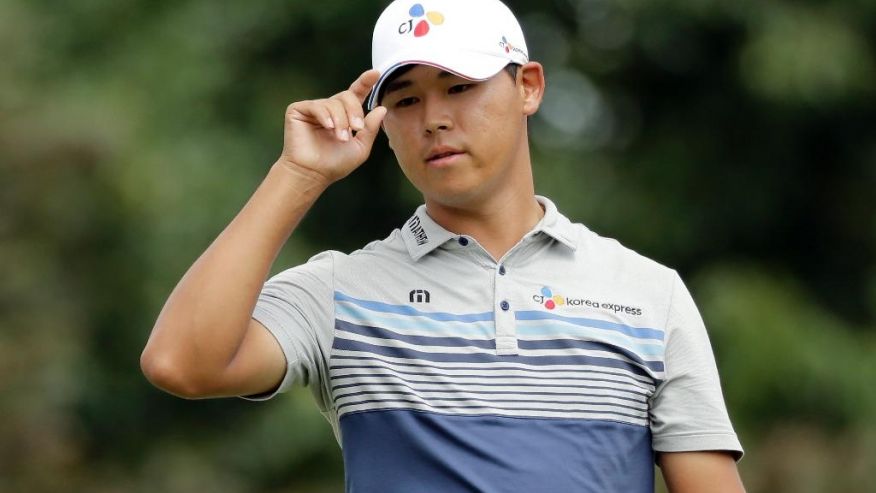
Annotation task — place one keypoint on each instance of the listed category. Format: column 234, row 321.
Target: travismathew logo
column 419, row 296
column 417, row 230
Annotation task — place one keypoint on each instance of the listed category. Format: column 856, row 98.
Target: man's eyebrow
column 396, row 85
column 401, row 83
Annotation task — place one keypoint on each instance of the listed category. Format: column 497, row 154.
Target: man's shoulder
column 614, row 255
column 389, row 249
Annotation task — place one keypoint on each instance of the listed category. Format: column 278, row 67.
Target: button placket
column 506, row 326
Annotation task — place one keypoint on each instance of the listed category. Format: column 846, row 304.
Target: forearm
column 205, row 319
column 700, row 472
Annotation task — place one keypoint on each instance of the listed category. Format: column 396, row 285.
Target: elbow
column 164, row 372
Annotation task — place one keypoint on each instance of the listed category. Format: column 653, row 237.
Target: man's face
column 457, row 141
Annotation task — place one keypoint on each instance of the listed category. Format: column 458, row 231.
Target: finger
column 311, row 112
column 372, row 126
column 339, row 117
column 353, row 107
column 362, row 86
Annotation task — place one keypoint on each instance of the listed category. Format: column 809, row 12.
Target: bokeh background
column 734, row 141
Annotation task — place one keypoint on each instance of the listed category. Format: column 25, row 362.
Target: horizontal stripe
column 637, row 332
column 428, row 381
column 592, row 411
column 509, row 395
column 406, row 324
column 528, row 379
column 400, row 352
column 342, row 356
column 407, row 310
column 380, row 333
column 394, row 386
column 589, row 345
column 484, row 401
column 539, row 330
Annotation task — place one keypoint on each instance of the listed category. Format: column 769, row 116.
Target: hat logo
column 420, row 27
column 508, row 47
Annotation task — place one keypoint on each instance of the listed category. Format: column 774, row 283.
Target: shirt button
column 505, row 306
column 502, row 270
column 463, row 241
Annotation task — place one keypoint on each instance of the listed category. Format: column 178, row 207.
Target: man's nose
column 436, row 117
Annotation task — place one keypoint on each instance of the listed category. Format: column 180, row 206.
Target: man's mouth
column 442, row 153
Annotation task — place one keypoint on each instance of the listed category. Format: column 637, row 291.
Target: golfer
column 487, row 345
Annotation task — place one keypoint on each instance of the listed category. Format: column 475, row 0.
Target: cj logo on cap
column 421, row 28
column 508, row 47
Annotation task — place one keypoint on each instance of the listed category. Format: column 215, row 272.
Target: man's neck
column 497, row 225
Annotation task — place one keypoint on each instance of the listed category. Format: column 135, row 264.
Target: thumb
column 372, row 126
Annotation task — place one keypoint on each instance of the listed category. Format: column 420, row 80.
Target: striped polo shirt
column 561, row 367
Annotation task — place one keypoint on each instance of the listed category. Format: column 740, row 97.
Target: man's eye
column 459, row 88
column 401, row 103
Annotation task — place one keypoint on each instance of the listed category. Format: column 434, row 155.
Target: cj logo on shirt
column 550, row 301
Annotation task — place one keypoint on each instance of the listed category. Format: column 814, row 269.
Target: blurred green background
column 735, row 141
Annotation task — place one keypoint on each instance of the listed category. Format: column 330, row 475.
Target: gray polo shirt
column 561, row 367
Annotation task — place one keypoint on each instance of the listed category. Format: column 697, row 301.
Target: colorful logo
column 508, row 47
column 420, row 27
column 549, row 299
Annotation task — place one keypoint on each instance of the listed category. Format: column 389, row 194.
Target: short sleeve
column 687, row 410
column 297, row 306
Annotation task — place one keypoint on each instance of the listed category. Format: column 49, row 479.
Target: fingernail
column 358, row 123
column 328, row 123
column 345, row 136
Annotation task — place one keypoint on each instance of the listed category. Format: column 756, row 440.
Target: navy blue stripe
column 632, row 381
column 381, row 333
column 478, row 392
column 577, row 359
column 485, row 384
column 492, row 402
column 497, row 408
column 589, row 345
column 629, row 379
column 589, row 387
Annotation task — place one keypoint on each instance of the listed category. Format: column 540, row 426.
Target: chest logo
column 419, row 296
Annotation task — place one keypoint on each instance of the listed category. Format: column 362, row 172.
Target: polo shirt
column 561, row 367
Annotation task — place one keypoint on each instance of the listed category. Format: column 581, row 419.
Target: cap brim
column 468, row 65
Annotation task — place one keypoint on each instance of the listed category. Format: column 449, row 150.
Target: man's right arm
column 205, row 342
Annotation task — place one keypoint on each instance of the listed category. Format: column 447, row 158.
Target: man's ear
column 531, row 85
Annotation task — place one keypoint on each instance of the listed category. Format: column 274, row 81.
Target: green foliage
column 735, row 141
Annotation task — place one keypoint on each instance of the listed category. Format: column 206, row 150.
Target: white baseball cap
column 474, row 39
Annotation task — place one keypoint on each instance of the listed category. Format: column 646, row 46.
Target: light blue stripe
column 413, row 312
column 637, row 332
column 588, row 333
column 358, row 315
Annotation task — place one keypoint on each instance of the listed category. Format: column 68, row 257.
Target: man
column 488, row 345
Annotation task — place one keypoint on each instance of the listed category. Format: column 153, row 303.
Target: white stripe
column 414, row 325
column 497, row 404
column 376, row 341
column 494, row 376
column 534, row 384
column 495, row 411
column 392, row 392
column 338, row 358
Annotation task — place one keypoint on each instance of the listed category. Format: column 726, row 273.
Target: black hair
column 511, row 69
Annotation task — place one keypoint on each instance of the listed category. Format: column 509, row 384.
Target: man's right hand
column 318, row 134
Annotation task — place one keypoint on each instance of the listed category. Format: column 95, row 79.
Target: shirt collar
column 422, row 234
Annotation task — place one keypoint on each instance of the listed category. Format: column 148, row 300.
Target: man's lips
column 442, row 153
